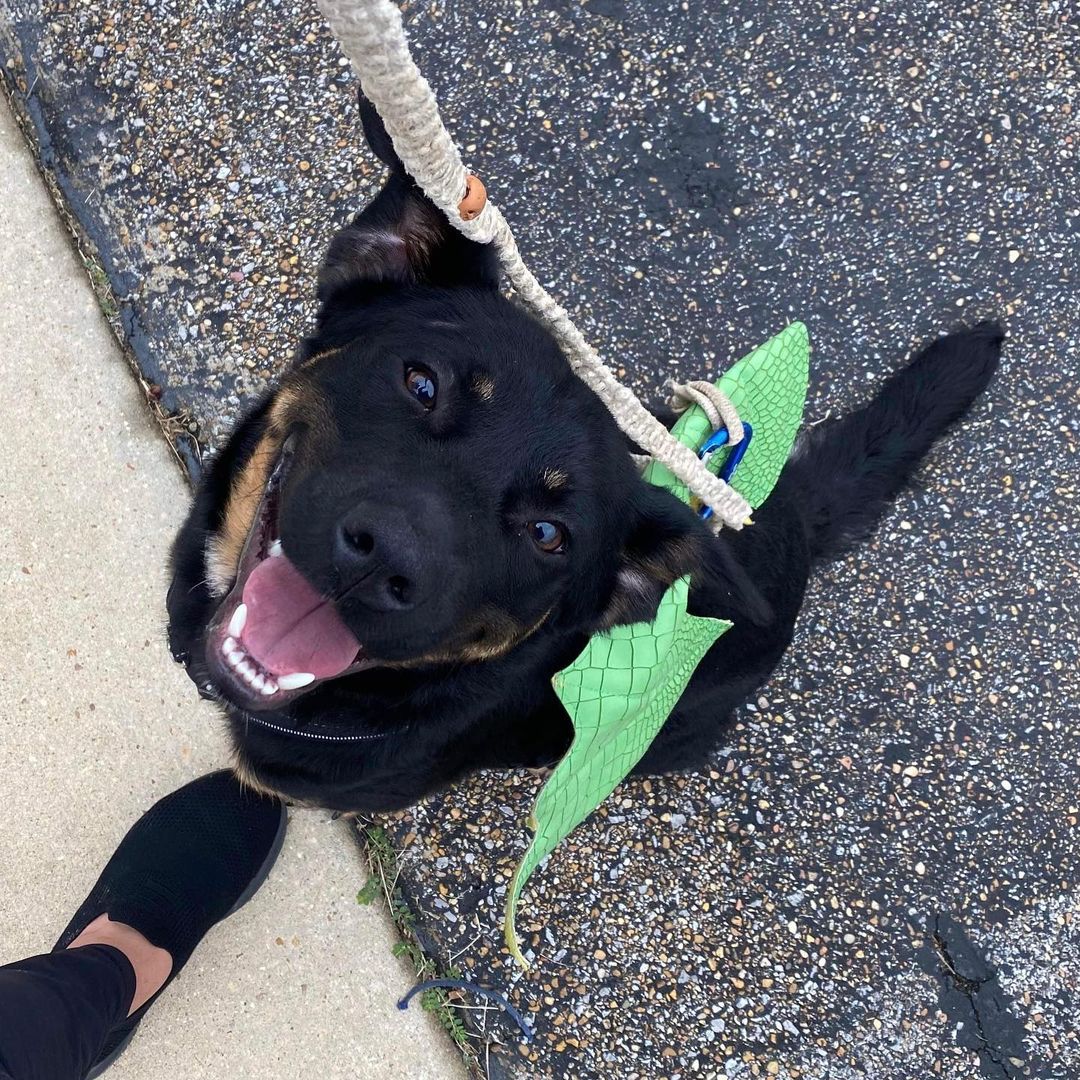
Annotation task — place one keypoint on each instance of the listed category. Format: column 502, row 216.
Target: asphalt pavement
column 878, row 876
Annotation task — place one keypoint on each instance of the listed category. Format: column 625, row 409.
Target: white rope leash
column 371, row 34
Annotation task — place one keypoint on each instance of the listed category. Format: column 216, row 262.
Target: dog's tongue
column 290, row 627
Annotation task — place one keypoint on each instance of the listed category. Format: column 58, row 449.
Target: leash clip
column 716, row 441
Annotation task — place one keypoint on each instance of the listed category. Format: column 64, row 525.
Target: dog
column 429, row 515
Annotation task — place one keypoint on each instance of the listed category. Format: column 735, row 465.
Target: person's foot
column 194, row 858
column 151, row 965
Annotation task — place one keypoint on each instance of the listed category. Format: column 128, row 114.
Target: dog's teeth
column 275, row 549
column 269, row 688
column 258, row 682
column 296, row 680
column 228, row 645
column 238, row 621
column 235, row 657
column 246, row 670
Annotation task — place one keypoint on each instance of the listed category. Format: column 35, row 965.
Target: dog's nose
column 380, row 557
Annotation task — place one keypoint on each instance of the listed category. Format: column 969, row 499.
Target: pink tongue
column 290, row 627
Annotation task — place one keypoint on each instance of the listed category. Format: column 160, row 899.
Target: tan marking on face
column 502, row 632
column 223, row 549
column 554, row 479
column 483, row 386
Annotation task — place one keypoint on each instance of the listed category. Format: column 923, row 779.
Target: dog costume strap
column 623, row 687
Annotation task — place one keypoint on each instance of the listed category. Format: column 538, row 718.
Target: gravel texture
column 878, row 877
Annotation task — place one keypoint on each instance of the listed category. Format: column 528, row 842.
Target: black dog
column 402, row 543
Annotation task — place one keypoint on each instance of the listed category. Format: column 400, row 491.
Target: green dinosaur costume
column 622, row 688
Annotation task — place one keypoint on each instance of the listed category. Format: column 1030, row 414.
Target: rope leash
column 371, row 35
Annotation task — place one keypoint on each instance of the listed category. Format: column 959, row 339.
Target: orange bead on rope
column 475, row 198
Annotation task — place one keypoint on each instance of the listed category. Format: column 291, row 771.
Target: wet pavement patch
column 689, row 178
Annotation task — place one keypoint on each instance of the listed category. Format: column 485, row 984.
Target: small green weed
column 102, row 287
column 371, row 891
column 442, row 1004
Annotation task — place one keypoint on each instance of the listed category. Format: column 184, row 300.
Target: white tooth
column 246, row 670
column 238, row 620
column 296, row 680
column 275, row 549
column 269, row 688
column 228, row 645
column 258, row 682
column 235, row 657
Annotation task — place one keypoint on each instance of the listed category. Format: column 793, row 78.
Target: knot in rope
column 712, row 401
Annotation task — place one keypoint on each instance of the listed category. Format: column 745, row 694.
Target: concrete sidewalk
column 96, row 722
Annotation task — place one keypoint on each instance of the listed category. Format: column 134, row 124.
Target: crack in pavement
column 973, row 1000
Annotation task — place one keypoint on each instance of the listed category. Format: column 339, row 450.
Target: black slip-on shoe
column 191, row 860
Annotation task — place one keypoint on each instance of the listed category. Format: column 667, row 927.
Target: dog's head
column 428, row 485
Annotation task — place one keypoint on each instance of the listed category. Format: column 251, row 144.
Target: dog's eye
column 422, row 385
column 548, row 536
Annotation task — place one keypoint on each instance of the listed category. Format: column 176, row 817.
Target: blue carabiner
column 713, row 443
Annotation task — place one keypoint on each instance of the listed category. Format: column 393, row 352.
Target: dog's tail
column 844, row 472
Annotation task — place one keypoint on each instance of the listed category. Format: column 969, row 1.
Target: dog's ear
column 666, row 541
column 400, row 238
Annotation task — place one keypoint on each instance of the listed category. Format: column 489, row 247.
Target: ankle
column 150, row 964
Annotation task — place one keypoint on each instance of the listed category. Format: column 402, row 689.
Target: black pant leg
column 57, row 1010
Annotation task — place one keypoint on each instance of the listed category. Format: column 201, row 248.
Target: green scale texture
column 622, row 688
